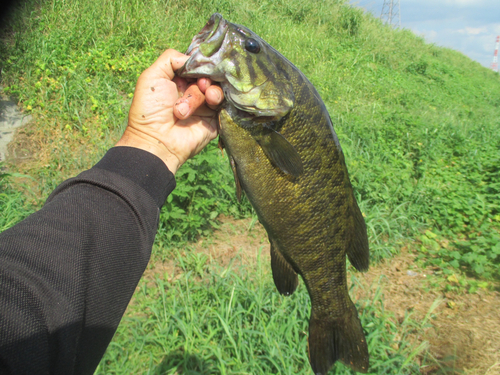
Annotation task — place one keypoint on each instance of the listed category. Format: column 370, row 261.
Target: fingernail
column 183, row 109
column 218, row 96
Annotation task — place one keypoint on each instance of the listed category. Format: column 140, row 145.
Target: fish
column 287, row 159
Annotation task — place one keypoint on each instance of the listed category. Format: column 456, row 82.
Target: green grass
column 418, row 124
column 13, row 205
column 237, row 323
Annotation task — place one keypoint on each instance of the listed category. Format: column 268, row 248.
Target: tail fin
column 340, row 339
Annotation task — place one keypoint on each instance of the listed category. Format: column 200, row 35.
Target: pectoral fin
column 280, row 152
column 358, row 252
column 284, row 276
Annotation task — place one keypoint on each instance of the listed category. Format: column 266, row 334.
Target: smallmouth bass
column 287, row 159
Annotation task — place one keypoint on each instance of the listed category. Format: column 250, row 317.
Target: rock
column 10, row 119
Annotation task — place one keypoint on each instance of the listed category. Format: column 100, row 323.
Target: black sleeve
column 68, row 271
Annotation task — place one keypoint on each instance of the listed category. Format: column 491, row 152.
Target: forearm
column 68, row 271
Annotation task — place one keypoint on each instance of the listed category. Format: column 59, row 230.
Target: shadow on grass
column 447, row 365
column 184, row 364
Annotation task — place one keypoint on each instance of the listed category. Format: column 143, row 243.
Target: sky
column 468, row 26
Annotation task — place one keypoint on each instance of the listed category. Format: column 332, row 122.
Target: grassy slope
column 417, row 123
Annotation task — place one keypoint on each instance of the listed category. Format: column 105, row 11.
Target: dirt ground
column 462, row 330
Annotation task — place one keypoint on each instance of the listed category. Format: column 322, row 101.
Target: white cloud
column 469, row 26
column 463, row 3
column 429, row 35
column 473, row 30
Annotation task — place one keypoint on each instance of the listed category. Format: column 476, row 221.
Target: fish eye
column 252, row 46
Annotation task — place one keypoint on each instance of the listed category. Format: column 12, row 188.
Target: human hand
column 169, row 117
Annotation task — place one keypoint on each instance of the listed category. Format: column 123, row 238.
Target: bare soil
column 462, row 330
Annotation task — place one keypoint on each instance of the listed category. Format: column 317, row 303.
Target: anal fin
column 285, row 278
column 358, row 251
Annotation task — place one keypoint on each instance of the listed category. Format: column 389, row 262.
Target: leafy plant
column 205, row 189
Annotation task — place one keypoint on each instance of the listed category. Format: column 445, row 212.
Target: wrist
column 137, row 139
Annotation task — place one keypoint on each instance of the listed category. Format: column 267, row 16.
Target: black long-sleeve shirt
column 68, row 271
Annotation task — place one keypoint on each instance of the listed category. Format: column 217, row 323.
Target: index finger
column 195, row 96
column 189, row 102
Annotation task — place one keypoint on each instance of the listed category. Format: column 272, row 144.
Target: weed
column 12, row 203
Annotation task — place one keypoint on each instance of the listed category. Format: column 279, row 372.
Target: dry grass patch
column 462, row 330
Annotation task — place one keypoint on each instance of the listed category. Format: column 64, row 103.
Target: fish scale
column 287, row 159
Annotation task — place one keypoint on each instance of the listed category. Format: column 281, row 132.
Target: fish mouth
column 213, row 34
column 204, row 49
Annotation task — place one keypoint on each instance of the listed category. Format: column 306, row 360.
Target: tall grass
column 236, row 323
column 13, row 207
